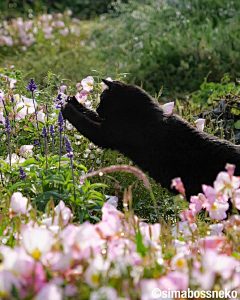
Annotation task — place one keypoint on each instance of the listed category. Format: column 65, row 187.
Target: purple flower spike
column 51, row 130
column 44, row 131
column 68, row 148
column 36, row 143
column 61, row 99
column 22, row 173
column 60, row 119
column 12, row 99
column 7, row 125
column 32, row 86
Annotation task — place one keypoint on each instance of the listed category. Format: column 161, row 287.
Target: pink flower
column 187, row 215
column 59, row 210
column 216, row 229
column 200, row 124
column 218, row 210
column 230, row 169
column 236, row 199
column 177, row 183
column 175, row 281
column 168, row 107
column 82, row 241
column 151, row 232
column 221, row 264
column 82, row 96
column 109, row 209
column 212, row 242
column 64, row 32
column 210, row 194
column 50, row 291
column 58, row 261
column 78, row 86
column 19, row 204
column 7, row 282
column 197, row 203
column 110, row 227
column 87, row 83
column 147, row 287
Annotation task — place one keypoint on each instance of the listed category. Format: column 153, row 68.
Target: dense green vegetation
column 159, row 43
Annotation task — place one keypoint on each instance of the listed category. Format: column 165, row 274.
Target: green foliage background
column 160, row 43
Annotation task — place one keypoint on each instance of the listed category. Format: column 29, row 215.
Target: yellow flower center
column 3, row 294
column 180, row 263
column 36, row 254
column 89, row 84
column 95, row 278
column 214, row 206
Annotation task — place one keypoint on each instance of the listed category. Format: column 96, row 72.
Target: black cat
column 166, row 146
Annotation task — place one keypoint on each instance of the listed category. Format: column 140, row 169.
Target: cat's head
column 120, row 98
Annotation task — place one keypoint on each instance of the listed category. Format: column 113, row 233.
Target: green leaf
column 47, row 195
column 98, row 185
column 235, row 111
column 29, row 161
column 16, row 185
column 237, row 124
column 236, row 255
column 140, row 246
column 54, row 178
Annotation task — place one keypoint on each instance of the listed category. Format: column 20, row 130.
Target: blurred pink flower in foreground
column 37, row 241
column 7, row 282
column 60, row 210
column 49, row 292
column 19, row 204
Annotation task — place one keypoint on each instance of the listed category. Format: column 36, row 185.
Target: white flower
column 37, row 241
column 119, row 160
column 105, row 292
column 200, row 124
column 2, row 119
column 50, row 291
column 168, row 107
column 41, row 116
column 78, row 137
column 87, row 83
column 98, row 161
column 69, row 126
column 97, row 268
column 113, row 200
column 26, row 150
column 19, row 204
column 15, row 159
column 103, row 86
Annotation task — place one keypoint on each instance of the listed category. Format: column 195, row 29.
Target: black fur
column 166, row 146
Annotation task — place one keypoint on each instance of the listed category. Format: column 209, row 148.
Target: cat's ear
column 110, row 84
